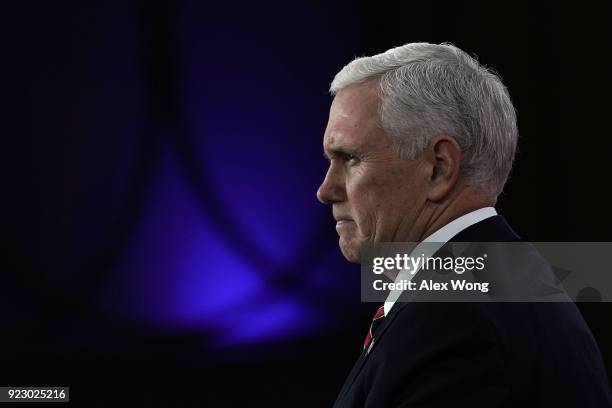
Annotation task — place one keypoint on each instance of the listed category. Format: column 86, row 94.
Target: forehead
column 353, row 118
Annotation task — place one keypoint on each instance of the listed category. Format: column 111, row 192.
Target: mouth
column 343, row 223
column 340, row 218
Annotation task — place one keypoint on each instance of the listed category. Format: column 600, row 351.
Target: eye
column 351, row 159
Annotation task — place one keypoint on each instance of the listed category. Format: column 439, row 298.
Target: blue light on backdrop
column 230, row 240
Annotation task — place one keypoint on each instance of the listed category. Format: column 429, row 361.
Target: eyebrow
column 339, row 151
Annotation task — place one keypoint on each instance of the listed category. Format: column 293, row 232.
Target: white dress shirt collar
column 442, row 236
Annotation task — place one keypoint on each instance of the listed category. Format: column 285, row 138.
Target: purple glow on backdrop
column 255, row 109
column 258, row 127
column 177, row 271
column 280, row 317
column 178, row 275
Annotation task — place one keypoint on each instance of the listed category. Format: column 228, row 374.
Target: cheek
column 380, row 200
column 368, row 198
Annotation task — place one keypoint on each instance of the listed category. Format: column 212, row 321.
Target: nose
column 331, row 190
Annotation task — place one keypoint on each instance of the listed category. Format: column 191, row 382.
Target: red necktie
column 380, row 313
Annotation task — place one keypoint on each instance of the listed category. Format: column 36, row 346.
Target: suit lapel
column 358, row 366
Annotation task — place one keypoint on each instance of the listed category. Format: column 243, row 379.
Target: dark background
column 163, row 243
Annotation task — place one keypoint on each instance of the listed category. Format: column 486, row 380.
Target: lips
column 339, row 218
column 343, row 225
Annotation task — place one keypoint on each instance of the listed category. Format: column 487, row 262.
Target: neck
column 467, row 200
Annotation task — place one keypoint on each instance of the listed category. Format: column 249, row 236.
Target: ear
column 444, row 158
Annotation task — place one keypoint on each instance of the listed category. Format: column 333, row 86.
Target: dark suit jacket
column 480, row 354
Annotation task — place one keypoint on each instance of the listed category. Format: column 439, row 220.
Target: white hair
column 428, row 89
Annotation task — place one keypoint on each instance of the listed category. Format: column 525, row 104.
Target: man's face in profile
column 375, row 195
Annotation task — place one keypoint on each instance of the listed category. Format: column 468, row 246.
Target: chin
column 351, row 251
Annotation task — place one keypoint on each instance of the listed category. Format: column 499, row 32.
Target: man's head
column 416, row 137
